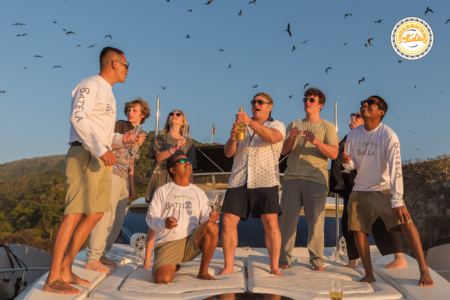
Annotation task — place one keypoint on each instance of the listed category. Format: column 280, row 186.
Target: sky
column 36, row 104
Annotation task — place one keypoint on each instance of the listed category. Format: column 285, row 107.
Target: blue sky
column 36, row 105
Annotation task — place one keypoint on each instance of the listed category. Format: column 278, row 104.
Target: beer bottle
column 240, row 127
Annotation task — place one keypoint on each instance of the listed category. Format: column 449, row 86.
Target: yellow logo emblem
column 412, row 38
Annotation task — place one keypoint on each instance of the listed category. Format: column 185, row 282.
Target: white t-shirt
column 376, row 157
column 93, row 116
column 170, row 200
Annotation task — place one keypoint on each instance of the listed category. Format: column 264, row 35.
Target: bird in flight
column 37, row 56
column 399, row 61
column 23, row 34
column 229, row 66
column 240, row 13
column 428, row 10
column 346, row 15
column 164, row 87
column 379, row 21
column 68, row 32
column 190, row 10
column 293, row 48
column 398, row 118
column 415, row 86
column 108, row 36
column 441, row 92
column 55, row 22
column 2, row 92
column 447, row 21
column 326, row 71
column 290, row 96
column 289, row 29
column 361, row 80
column 77, row 46
column 305, row 85
column 18, row 24
column 254, row 2
column 91, row 46
column 417, row 149
column 57, row 67
column 221, row 50
column 255, row 86
column 305, row 41
column 187, row 36
column 209, row 2
column 24, row 68
column 368, row 43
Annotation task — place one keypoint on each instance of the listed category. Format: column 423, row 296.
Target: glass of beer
column 336, row 291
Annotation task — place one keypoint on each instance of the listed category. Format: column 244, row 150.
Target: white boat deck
column 128, row 281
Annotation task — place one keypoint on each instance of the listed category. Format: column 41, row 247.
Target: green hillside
column 19, row 168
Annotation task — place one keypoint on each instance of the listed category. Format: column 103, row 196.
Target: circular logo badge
column 412, row 38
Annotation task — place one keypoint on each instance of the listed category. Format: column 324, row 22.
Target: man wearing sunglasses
column 378, row 190
column 87, row 166
column 254, row 181
column 311, row 142
column 175, row 212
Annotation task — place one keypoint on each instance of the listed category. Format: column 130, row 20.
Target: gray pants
column 298, row 193
column 108, row 228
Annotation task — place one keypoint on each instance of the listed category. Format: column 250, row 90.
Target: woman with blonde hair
column 166, row 145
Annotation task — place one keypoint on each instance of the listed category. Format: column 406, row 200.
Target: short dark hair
column 316, row 92
column 383, row 104
column 106, row 50
column 172, row 161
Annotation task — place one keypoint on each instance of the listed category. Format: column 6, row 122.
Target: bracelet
column 170, row 150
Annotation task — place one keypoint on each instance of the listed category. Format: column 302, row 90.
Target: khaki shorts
column 365, row 207
column 175, row 253
column 88, row 182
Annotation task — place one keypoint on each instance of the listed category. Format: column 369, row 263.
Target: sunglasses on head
column 370, row 102
column 260, row 102
column 308, row 99
column 172, row 114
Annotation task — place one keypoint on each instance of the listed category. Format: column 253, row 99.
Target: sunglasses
column 172, row 114
column 370, row 102
column 260, row 102
column 126, row 64
column 357, row 116
column 310, row 100
column 183, row 161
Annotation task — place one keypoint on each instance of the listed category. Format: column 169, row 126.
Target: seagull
column 18, row 24
column 441, row 92
column 255, row 86
column 23, row 34
column 37, row 56
column 415, row 86
column 326, row 71
column 290, row 96
column 221, row 50
column 347, row 15
column 55, row 22
column 428, row 10
column 254, row 2
column 379, row 21
column 57, row 67
column 108, row 36
column 209, row 2
column 289, row 29
column 91, row 46
column 305, row 85
column 293, row 48
column 229, row 66
column 368, row 42
column 399, row 61
column 447, row 21
column 240, row 13
column 361, row 80
column 24, row 68
column 164, row 87
column 187, row 36
column 345, row 44
column 2, row 92
column 77, row 46
column 68, row 32
column 190, row 10
column 305, row 41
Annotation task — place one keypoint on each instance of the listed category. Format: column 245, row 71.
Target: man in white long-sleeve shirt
column 175, row 212
column 378, row 190
column 86, row 171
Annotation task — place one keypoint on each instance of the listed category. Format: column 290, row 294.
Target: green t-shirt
column 305, row 161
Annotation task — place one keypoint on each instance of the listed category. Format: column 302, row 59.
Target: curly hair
column 316, row 92
column 145, row 108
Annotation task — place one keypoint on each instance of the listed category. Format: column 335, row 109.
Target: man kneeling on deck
column 175, row 212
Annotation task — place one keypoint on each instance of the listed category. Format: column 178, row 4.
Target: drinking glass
column 217, row 201
column 299, row 125
column 176, row 213
column 347, row 148
column 185, row 136
column 336, row 291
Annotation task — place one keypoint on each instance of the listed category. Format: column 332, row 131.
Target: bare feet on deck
column 60, row 287
column 96, row 266
column 425, row 280
column 398, row 263
column 352, row 264
column 226, row 271
column 69, row 277
column 283, row 266
column 276, row 272
column 319, row 269
column 108, row 262
column 368, row 279
column 205, row 277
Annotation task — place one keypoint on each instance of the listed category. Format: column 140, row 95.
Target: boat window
column 204, row 182
column 222, row 181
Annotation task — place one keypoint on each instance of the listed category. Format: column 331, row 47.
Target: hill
column 19, row 168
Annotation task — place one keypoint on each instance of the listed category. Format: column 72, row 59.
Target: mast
column 337, row 255
column 157, row 116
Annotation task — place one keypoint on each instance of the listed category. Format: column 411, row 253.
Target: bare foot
column 276, row 272
column 108, row 262
column 425, row 280
column 226, row 271
column 205, row 277
column 60, row 287
column 319, row 269
column 283, row 266
column 368, row 279
column 70, row 277
column 96, row 266
column 352, row 264
column 397, row 263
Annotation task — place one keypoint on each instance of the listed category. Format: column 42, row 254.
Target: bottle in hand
column 240, row 127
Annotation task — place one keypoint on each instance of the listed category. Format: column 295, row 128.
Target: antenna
column 157, row 116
